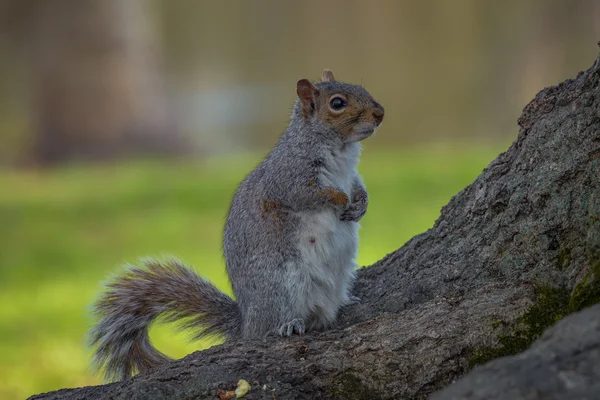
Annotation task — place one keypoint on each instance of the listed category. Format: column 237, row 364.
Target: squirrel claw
column 295, row 325
column 360, row 196
column 357, row 209
column 353, row 213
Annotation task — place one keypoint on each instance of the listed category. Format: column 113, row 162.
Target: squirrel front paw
column 357, row 209
column 295, row 325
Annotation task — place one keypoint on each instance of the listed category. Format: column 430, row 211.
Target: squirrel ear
column 327, row 76
column 306, row 93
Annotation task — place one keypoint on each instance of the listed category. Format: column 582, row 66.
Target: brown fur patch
column 269, row 205
column 343, row 122
column 273, row 210
column 335, row 197
column 359, row 109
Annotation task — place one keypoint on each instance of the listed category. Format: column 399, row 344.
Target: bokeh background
column 125, row 126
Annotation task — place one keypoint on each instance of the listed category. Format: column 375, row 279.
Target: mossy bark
column 562, row 364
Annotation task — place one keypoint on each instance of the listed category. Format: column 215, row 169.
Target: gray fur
column 135, row 299
column 289, row 250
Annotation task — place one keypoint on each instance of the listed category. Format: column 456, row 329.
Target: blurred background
column 125, row 126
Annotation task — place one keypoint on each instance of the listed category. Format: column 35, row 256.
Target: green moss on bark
column 550, row 306
column 587, row 292
column 564, row 258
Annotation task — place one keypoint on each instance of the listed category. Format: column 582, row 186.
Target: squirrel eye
column 337, row 103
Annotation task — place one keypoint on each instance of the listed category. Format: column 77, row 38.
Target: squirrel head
column 348, row 110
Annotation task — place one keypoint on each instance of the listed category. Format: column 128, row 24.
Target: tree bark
column 564, row 364
column 510, row 255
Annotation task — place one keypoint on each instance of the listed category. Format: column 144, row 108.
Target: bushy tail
column 133, row 301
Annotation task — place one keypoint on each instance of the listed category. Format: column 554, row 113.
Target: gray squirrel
column 290, row 242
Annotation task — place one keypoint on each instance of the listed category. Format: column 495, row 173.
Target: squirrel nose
column 378, row 114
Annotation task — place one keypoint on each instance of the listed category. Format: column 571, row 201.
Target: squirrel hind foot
column 296, row 325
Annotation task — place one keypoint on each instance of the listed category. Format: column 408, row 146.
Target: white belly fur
column 328, row 248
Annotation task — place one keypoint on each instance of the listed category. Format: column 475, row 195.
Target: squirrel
column 290, row 242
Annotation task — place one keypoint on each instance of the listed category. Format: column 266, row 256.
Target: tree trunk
column 563, row 364
column 510, row 255
column 97, row 87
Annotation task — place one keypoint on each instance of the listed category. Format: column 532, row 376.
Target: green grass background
column 64, row 231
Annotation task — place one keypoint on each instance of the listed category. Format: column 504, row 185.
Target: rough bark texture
column 510, row 255
column 563, row 364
